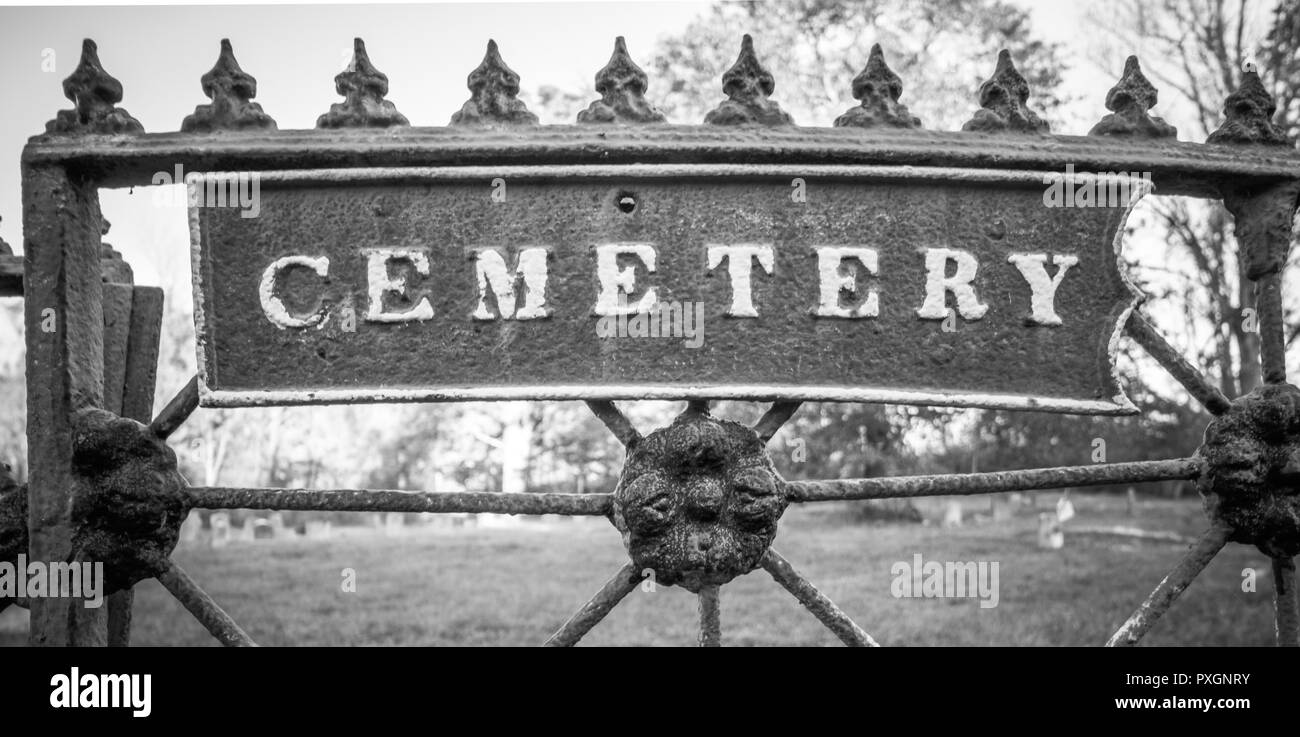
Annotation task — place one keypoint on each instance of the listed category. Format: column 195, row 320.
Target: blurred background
column 482, row 579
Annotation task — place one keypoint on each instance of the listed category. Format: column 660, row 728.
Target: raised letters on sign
column 881, row 285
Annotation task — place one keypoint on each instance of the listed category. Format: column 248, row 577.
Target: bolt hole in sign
column 875, row 284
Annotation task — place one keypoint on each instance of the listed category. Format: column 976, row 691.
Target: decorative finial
column 363, row 88
column 1129, row 100
column 5, row 248
column 231, row 90
column 1002, row 99
column 493, row 98
column 94, row 92
column 878, row 88
column 1249, row 110
column 747, row 85
column 622, row 85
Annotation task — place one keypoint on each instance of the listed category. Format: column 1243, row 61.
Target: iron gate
column 105, row 487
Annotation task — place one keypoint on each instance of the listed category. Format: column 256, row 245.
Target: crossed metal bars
column 1247, row 163
column 628, row 578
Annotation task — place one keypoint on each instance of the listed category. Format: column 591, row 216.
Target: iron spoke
column 1169, row 589
column 710, row 617
column 1272, row 328
column 989, row 483
column 815, row 601
column 1178, row 367
column 383, row 500
column 776, row 416
column 177, row 411
column 204, row 609
column 615, row 420
column 1286, row 605
column 595, row 610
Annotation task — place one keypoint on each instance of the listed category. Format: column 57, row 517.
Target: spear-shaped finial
column 879, row 89
column 1002, row 99
column 231, row 90
column 363, row 88
column 1249, row 111
column 1129, row 100
column 748, row 85
column 5, row 248
column 94, row 92
column 493, row 98
column 622, row 85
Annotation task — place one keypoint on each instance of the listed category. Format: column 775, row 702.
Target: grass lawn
column 515, row 586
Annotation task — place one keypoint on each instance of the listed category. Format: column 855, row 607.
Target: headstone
column 1064, row 509
column 1050, row 535
column 220, row 524
column 260, row 528
column 1132, row 499
column 952, row 514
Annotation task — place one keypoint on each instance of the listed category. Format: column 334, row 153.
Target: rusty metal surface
column 65, row 370
column 615, row 420
column 1170, row 587
column 213, row 618
column 710, row 610
column 698, row 502
column 996, row 357
column 772, row 420
column 1004, row 104
column 1286, row 602
column 816, row 602
column 1251, row 483
column 379, row 500
column 1130, row 102
column 1178, row 367
column 991, row 482
column 1175, row 167
column 620, row 585
column 177, row 410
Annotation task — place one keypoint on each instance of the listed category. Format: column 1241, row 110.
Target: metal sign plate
column 877, row 284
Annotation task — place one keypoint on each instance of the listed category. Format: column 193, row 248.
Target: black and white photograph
column 965, row 326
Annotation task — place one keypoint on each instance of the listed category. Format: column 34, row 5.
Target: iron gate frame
column 96, row 145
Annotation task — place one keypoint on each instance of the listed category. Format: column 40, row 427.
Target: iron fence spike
column 94, row 94
column 1003, row 99
column 748, row 85
column 878, row 88
column 231, row 90
column 1248, row 114
column 1129, row 102
column 494, row 91
column 363, row 88
column 622, row 87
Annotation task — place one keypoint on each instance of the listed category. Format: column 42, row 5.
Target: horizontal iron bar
column 988, row 483
column 1175, row 167
column 379, row 500
column 1171, row 586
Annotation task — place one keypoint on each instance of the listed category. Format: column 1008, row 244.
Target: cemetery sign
column 1000, row 289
